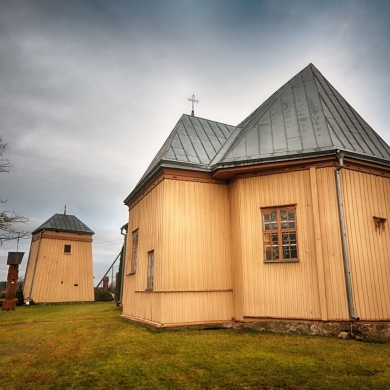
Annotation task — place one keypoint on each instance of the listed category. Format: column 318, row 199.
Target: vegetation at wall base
column 106, row 296
column 19, row 295
column 90, row 346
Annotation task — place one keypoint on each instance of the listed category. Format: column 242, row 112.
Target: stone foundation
column 356, row 329
column 342, row 329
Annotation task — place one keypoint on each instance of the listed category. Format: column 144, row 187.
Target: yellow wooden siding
column 28, row 278
column 56, row 273
column 366, row 196
column 188, row 307
column 196, row 237
column 213, row 244
column 336, row 299
column 146, row 216
column 318, row 243
column 277, row 289
column 195, row 222
column 236, row 245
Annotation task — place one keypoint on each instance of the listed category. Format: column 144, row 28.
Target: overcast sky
column 90, row 90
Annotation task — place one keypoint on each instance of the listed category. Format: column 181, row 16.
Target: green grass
column 91, row 347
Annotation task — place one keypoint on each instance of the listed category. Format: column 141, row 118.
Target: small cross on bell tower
column 193, row 101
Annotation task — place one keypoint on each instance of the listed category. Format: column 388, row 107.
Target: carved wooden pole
column 14, row 259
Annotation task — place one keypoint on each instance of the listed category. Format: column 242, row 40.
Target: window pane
column 279, row 234
column 268, row 253
column 293, row 236
column 150, row 273
column 134, row 255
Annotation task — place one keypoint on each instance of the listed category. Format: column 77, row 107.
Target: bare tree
column 7, row 219
column 4, row 161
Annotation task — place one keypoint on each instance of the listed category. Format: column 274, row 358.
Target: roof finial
column 65, row 210
column 193, row 101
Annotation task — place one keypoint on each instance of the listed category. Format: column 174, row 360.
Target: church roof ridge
column 193, row 140
column 306, row 116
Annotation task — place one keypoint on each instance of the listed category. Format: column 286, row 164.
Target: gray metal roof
column 64, row 223
column 306, row 117
column 193, row 140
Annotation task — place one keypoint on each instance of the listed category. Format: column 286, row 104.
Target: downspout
column 123, row 261
column 36, row 262
column 344, row 244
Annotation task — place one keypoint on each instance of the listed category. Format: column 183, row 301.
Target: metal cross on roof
column 193, row 101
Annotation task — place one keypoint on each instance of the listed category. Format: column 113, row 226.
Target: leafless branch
column 7, row 230
column 7, row 219
column 5, row 165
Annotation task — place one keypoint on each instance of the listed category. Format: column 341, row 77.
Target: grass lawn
column 91, row 347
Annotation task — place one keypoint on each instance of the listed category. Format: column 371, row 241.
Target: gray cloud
column 91, row 89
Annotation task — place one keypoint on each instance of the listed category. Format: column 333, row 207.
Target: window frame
column 279, row 232
column 150, row 272
column 134, row 251
column 67, row 246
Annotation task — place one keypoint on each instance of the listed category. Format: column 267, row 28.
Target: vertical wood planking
column 194, row 219
column 236, row 249
column 366, row 196
column 213, row 240
column 318, row 239
column 56, row 273
column 146, row 216
column 32, row 257
column 197, row 236
column 278, row 289
column 331, row 245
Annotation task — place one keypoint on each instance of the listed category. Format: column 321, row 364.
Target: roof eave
column 62, row 230
column 300, row 156
column 165, row 164
column 235, row 164
column 265, row 160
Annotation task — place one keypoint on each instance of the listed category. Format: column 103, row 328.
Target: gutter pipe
column 123, row 260
column 347, row 270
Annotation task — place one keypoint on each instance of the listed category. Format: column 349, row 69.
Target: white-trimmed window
column 67, row 249
column 280, row 234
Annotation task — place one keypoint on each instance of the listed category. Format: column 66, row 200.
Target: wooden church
column 59, row 267
column 282, row 217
